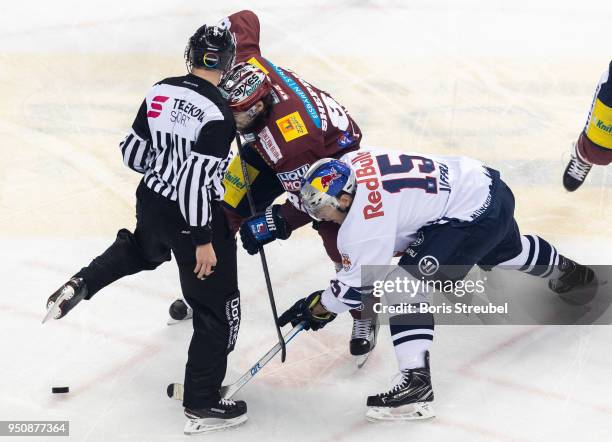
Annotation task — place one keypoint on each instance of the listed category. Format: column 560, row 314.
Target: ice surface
column 507, row 82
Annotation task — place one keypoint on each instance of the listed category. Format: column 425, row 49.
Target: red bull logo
column 322, row 183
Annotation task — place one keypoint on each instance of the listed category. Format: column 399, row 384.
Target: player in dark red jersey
column 288, row 124
column 294, row 125
column 283, row 140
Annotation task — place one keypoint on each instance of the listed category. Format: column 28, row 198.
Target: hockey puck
column 60, row 389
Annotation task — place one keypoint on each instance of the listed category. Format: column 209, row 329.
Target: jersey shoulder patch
column 292, row 126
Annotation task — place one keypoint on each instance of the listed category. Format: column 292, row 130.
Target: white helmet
column 324, row 182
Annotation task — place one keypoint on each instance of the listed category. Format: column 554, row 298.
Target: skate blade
column 584, row 294
column 50, row 313
column 66, row 294
column 416, row 411
column 362, row 359
column 199, row 426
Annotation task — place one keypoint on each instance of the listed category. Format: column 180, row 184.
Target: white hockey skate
column 179, row 312
column 363, row 339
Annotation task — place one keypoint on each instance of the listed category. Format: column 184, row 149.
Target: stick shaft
column 176, row 391
column 262, row 254
column 229, row 390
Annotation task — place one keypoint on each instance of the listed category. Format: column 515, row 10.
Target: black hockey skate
column 225, row 414
column 575, row 172
column 179, row 311
column 410, row 399
column 578, row 283
column 363, row 339
column 65, row 298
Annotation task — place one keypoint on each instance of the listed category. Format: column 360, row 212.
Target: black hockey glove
column 263, row 228
column 302, row 312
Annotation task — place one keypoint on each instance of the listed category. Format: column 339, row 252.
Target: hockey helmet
column 324, row 182
column 244, row 85
column 211, row 47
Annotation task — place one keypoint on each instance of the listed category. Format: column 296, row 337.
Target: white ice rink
column 508, row 82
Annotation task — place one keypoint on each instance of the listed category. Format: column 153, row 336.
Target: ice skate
column 226, row 414
column 409, row 399
column 363, row 339
column 575, row 172
column 578, row 283
column 65, row 298
column 179, row 312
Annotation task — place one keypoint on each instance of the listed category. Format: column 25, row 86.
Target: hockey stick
column 175, row 391
column 264, row 262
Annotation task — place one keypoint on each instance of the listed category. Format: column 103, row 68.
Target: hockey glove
column 263, row 228
column 302, row 311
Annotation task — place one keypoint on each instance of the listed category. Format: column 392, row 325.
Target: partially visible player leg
column 456, row 248
column 537, row 257
column 594, row 145
column 131, row 253
column 365, row 322
column 411, row 397
column 577, row 169
column 364, row 335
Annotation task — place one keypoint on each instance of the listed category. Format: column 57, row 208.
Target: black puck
column 60, row 389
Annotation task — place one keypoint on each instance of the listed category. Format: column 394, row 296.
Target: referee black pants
column 215, row 300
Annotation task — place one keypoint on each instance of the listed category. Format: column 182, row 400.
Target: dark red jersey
column 305, row 123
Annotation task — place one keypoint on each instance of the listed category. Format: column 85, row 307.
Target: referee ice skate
column 180, row 142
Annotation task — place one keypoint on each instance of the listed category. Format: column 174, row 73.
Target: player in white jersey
column 443, row 215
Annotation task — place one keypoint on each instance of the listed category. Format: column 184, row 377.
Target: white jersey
column 397, row 194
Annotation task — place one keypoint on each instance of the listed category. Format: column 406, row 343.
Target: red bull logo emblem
column 322, row 183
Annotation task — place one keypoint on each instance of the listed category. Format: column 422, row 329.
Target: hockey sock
column 538, row 258
column 579, row 155
column 412, row 334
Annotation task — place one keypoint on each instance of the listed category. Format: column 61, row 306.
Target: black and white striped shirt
column 180, row 141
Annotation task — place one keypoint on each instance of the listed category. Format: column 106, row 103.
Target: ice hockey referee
column 180, row 142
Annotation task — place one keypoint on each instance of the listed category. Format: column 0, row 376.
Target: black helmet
column 211, row 47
